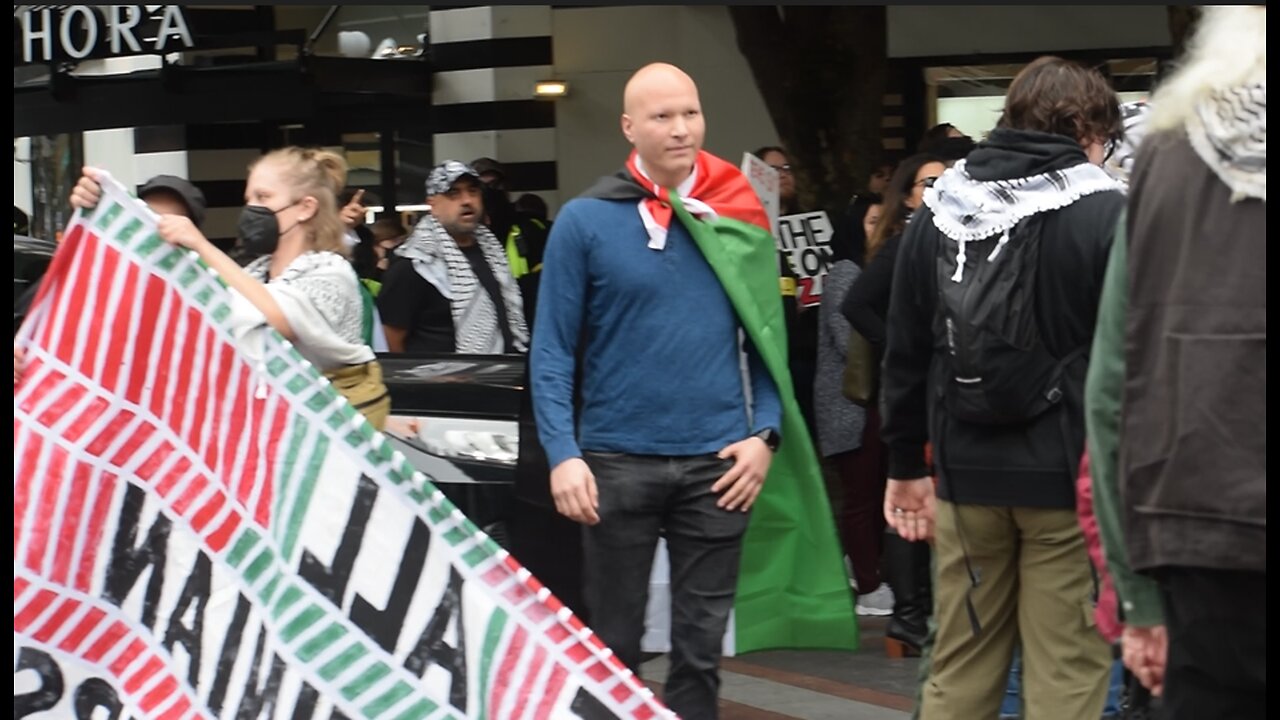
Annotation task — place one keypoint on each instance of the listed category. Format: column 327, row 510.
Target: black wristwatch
column 771, row 438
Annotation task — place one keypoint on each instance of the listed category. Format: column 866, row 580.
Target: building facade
column 480, row 65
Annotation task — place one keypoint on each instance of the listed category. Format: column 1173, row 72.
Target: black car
column 31, row 257
column 466, row 421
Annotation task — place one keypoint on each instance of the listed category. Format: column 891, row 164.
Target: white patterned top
column 319, row 295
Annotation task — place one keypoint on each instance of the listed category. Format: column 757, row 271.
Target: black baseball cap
column 488, row 165
column 184, row 189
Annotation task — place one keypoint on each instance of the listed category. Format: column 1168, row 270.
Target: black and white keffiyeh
column 968, row 210
column 1229, row 132
column 438, row 260
column 1119, row 162
column 327, row 282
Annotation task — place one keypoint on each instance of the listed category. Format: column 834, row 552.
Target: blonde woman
column 302, row 285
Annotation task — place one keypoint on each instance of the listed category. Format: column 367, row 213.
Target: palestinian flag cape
column 792, row 588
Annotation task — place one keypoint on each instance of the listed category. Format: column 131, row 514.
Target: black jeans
column 1217, row 624
column 642, row 497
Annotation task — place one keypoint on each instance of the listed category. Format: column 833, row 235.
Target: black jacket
column 866, row 305
column 1031, row 465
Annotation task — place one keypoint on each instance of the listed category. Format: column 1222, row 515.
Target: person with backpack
column 994, row 299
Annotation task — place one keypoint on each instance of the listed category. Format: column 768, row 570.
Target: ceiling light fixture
column 550, row 89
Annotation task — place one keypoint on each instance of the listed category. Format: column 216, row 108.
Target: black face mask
column 259, row 229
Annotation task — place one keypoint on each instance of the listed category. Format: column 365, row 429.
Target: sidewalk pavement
column 811, row 684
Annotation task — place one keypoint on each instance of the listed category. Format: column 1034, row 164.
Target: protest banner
column 204, row 533
column 764, row 180
column 805, row 242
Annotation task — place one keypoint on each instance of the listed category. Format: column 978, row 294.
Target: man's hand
column 744, row 480
column 179, row 230
column 909, row 508
column 353, row 212
column 87, row 192
column 1145, row 652
column 573, row 487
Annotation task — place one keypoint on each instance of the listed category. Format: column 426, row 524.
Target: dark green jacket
column 1104, row 386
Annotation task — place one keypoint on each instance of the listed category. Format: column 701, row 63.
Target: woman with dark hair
column 777, row 158
column 865, row 307
column 937, row 135
column 867, row 303
column 802, row 322
column 854, row 476
column 992, row 311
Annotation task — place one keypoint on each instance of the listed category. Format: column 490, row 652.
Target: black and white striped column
column 487, row 60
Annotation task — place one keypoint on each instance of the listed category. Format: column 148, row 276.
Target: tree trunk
column 822, row 73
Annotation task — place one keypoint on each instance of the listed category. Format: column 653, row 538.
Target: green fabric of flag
column 792, row 590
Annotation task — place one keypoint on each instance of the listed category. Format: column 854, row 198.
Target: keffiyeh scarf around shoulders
column 1229, row 132
column 968, row 210
column 438, row 260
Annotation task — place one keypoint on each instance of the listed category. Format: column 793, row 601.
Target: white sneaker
column 878, row 602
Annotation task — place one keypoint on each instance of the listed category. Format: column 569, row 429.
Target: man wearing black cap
column 172, row 195
column 490, row 173
column 164, row 194
column 449, row 288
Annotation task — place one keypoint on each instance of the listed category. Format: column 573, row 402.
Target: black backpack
column 999, row 370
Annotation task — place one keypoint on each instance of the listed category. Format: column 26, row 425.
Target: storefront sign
column 76, row 32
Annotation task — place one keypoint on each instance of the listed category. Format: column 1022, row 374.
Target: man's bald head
column 662, row 118
column 651, row 77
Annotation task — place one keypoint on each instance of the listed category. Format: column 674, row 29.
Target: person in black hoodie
column 993, row 305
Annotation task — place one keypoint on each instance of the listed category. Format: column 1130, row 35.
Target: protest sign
column 764, row 180
column 805, row 242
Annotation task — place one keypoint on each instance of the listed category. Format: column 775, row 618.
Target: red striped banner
column 204, row 527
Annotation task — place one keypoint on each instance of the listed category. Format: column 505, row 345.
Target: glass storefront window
column 971, row 97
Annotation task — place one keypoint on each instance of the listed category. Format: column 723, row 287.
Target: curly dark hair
column 1062, row 97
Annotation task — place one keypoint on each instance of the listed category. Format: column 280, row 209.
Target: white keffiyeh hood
column 967, row 210
column 437, row 258
column 1228, row 130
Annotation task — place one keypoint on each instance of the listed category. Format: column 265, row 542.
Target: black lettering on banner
column 226, row 660
column 790, row 257
column 815, row 235
column 195, row 591
column 432, row 649
column 338, row 715
column 51, row 685
column 305, row 708
column 129, row 561
column 786, row 235
column 258, row 701
column 812, row 261
column 331, row 581
column 94, row 694
column 384, row 625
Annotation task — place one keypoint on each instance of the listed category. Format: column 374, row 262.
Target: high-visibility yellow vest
column 518, row 263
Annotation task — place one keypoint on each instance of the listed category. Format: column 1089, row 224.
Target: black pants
column 642, row 497
column 1217, row 624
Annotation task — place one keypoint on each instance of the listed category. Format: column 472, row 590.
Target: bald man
column 672, row 439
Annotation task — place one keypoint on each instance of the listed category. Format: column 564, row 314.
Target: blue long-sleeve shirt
column 662, row 369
